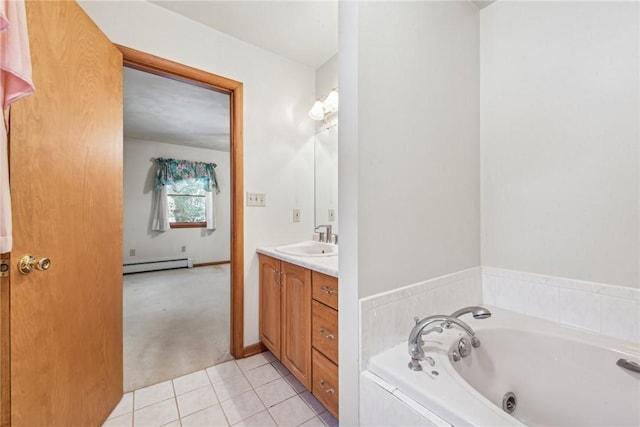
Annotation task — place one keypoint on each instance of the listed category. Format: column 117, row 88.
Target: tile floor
column 256, row 391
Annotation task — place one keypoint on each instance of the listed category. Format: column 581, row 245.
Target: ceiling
column 304, row 31
column 163, row 110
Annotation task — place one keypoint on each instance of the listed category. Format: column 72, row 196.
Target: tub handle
column 629, row 365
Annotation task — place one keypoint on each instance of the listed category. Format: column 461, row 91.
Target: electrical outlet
column 184, row 249
column 332, row 215
column 132, row 252
column 296, row 215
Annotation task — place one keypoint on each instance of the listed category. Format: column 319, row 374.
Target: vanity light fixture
column 321, row 109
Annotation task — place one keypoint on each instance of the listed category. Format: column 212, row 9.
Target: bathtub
column 560, row 376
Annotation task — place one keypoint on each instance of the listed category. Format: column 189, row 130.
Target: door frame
column 163, row 67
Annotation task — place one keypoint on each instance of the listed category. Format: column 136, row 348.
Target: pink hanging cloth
column 15, row 83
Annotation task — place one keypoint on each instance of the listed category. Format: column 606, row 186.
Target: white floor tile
column 190, row 382
column 124, row 420
column 230, row 387
column 261, row 419
column 152, row 394
column 212, row 416
column 275, row 392
column 242, row 406
column 292, row 412
column 175, row 423
column 196, row 400
column 313, row 422
column 125, row 405
column 252, row 362
column 157, row 414
column 293, row 382
column 223, row 371
column 313, row 403
column 262, row 375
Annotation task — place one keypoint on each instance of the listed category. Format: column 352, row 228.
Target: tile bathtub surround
column 605, row 309
column 256, row 391
column 386, row 319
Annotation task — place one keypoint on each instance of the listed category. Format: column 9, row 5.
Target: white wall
column 327, row 77
column 418, row 158
column 278, row 135
column 408, row 153
column 560, row 135
column 139, row 174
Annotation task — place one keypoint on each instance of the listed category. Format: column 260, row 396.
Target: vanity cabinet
column 270, row 303
column 324, row 325
column 285, row 315
column 299, row 325
column 295, row 344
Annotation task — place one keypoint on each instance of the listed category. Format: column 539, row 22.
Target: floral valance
column 172, row 170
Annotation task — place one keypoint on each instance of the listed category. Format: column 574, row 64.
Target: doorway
column 164, row 68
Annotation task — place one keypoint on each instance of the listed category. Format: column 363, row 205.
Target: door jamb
column 163, row 67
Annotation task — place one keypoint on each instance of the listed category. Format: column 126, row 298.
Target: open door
column 65, row 323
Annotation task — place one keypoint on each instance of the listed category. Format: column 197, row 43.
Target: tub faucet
column 477, row 312
column 415, row 337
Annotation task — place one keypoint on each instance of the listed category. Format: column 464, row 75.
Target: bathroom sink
column 314, row 249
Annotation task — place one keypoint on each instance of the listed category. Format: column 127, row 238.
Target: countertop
column 327, row 265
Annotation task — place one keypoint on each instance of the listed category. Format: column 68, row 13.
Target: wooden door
column 270, row 303
column 296, row 321
column 66, row 184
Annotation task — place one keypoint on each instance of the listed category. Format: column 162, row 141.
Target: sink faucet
column 415, row 337
column 325, row 237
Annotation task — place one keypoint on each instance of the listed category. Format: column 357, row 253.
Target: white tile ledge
column 565, row 283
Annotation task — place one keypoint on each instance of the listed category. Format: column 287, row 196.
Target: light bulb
column 331, row 103
column 317, row 111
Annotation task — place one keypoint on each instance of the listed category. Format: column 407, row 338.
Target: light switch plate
column 332, row 215
column 256, row 199
column 296, row 215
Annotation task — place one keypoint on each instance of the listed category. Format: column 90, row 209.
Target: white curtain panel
column 210, row 207
column 160, row 221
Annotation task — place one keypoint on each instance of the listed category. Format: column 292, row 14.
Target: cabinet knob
column 329, row 336
column 327, row 291
column 330, row 390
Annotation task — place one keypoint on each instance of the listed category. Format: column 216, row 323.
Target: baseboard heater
column 167, row 264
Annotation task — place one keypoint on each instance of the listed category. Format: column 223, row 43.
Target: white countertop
column 327, row 265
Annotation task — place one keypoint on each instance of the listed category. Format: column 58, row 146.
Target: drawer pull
column 327, row 291
column 326, row 390
column 329, row 336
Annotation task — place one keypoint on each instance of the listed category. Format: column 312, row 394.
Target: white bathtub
column 561, row 376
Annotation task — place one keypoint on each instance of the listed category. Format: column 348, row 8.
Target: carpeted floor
column 175, row 322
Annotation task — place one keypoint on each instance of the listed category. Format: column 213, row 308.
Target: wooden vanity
column 299, row 324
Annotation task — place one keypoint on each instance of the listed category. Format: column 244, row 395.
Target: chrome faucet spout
column 477, row 312
column 325, row 237
column 415, row 337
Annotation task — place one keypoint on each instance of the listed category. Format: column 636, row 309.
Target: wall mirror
column 326, row 176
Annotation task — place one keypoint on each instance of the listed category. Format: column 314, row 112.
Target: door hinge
column 4, row 268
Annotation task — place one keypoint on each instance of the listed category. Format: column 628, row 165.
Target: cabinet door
column 296, row 321
column 270, row 308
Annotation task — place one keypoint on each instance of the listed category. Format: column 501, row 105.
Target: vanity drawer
column 325, row 289
column 324, row 323
column 325, row 382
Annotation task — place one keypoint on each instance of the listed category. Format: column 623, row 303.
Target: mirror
column 326, row 177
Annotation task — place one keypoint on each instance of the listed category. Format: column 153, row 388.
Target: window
column 187, row 204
